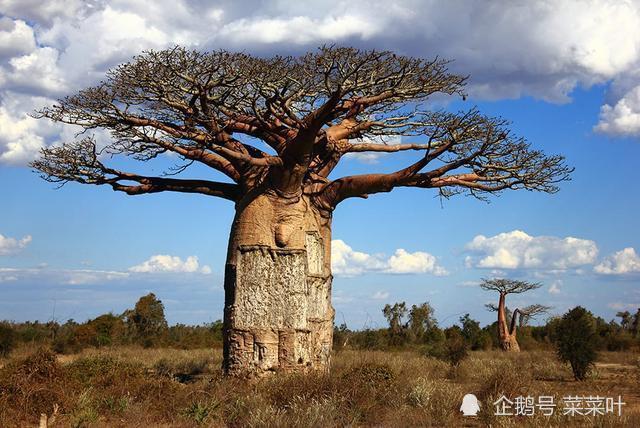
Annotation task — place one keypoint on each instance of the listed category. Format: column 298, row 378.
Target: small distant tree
column 470, row 330
column 146, row 321
column 397, row 326
column 576, row 341
column 108, row 327
column 625, row 319
column 507, row 331
column 421, row 321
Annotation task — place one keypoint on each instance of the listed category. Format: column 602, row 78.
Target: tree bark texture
column 278, row 314
column 507, row 336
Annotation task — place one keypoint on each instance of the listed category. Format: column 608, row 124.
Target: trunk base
column 510, row 344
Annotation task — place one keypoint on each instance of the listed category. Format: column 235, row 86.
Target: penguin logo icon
column 470, row 405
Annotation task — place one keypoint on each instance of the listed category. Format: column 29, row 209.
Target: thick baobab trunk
column 510, row 343
column 278, row 314
column 507, row 335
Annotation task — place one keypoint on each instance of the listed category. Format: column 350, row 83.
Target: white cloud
column 165, row 263
column 418, row 262
column 380, row 295
column 61, row 276
column 36, row 72
column 622, row 262
column 22, row 136
column 297, row 29
column 45, row 12
column 555, row 287
column 620, row 306
column 518, row 250
column 10, row 246
column 16, row 37
column 623, row 118
column 510, row 49
column 347, row 262
column 87, row 277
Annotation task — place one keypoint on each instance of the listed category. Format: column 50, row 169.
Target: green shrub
column 104, row 371
column 456, row 349
column 370, row 373
column 200, row 411
column 576, row 341
column 7, row 339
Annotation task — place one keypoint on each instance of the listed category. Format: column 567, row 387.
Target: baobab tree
column 274, row 129
column 507, row 325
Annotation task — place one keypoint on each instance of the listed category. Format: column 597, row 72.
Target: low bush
column 33, row 385
column 7, row 339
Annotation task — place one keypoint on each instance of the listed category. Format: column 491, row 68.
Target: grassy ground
column 165, row 387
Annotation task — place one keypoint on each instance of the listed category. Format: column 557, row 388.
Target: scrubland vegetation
column 134, row 386
column 134, row 370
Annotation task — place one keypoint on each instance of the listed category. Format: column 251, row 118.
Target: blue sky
column 81, row 251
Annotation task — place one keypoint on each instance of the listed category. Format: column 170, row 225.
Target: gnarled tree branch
column 309, row 112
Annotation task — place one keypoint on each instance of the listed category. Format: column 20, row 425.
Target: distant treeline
column 414, row 327
column 143, row 325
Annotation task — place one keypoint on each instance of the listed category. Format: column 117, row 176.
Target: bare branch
column 79, row 162
column 310, row 111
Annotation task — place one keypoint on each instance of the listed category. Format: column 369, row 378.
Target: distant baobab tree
column 306, row 113
column 507, row 325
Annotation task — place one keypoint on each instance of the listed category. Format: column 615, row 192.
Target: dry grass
column 131, row 386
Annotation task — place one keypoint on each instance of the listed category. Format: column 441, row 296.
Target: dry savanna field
column 133, row 386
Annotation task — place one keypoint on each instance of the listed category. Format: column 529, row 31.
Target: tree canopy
column 508, row 286
column 283, row 123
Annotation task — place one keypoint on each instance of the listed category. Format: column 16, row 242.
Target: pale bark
column 278, row 314
column 506, row 334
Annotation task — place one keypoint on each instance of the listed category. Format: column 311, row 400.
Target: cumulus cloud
column 622, row 262
column 9, row 246
column 21, row 136
column 16, row 38
column 518, row 250
column 418, row 262
column 510, row 49
column 45, row 12
column 345, row 261
column 166, row 263
column 622, row 118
